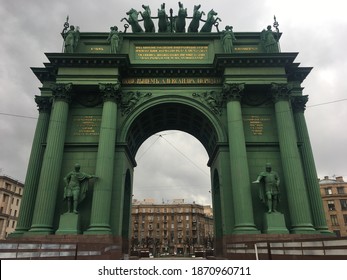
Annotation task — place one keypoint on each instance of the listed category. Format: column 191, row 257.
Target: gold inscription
column 256, row 124
column 97, row 49
column 86, row 125
column 172, row 81
column 171, row 52
column 248, row 49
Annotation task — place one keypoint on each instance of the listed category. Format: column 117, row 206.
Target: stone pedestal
column 69, row 224
column 274, row 223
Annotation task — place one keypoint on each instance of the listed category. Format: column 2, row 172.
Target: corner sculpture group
column 171, row 24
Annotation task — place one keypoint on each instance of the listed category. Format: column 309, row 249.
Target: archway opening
column 172, row 144
column 172, row 165
column 172, row 205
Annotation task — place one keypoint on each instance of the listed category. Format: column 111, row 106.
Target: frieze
column 172, row 81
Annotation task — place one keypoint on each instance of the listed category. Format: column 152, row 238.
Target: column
column 318, row 215
column 52, row 160
column 292, row 167
column 241, row 185
column 100, row 215
column 34, row 167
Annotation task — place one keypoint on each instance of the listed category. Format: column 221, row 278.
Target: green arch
column 172, row 113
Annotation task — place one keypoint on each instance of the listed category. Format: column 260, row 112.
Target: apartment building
column 173, row 227
column 11, row 192
column 334, row 195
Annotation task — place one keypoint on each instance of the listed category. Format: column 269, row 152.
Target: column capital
column 299, row 103
column 233, row 91
column 280, row 91
column 110, row 91
column 44, row 103
column 62, row 92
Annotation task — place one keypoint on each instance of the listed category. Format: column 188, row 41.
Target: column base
column 303, row 228
column 245, row 229
column 274, row 223
column 69, row 224
column 39, row 230
column 98, row 229
column 325, row 230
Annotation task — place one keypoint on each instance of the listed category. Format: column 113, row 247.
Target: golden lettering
column 171, row 52
column 86, row 125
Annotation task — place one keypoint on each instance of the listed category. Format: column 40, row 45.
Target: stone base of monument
column 274, row 223
column 69, row 224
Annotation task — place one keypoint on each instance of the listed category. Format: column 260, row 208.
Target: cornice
column 254, row 60
column 88, row 60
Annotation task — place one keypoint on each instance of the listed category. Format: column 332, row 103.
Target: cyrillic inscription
column 256, row 124
column 86, row 125
column 171, row 52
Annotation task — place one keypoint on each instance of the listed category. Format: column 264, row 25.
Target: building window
column 17, row 202
column 328, row 191
column 345, row 219
column 343, row 203
column 340, row 190
column 334, row 221
column 331, row 205
column 337, row 232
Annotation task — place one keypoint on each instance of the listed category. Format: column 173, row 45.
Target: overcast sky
column 173, row 164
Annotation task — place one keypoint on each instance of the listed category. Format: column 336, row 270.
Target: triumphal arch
column 107, row 92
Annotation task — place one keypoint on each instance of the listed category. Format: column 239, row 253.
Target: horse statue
column 194, row 24
column 163, row 22
column 147, row 20
column 210, row 21
column 133, row 21
column 180, row 22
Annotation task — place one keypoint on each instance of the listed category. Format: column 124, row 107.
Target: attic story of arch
column 172, row 24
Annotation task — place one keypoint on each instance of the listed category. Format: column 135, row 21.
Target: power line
column 187, row 158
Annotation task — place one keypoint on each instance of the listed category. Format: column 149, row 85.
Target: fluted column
column 318, row 215
column 299, row 205
column 42, row 222
column 241, row 185
column 100, row 215
column 34, row 167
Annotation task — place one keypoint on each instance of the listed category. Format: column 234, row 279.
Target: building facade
column 10, row 198
column 171, row 228
column 334, row 195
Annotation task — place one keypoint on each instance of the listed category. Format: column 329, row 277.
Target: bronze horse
column 147, row 20
column 194, row 24
column 133, row 21
column 210, row 21
column 180, row 22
